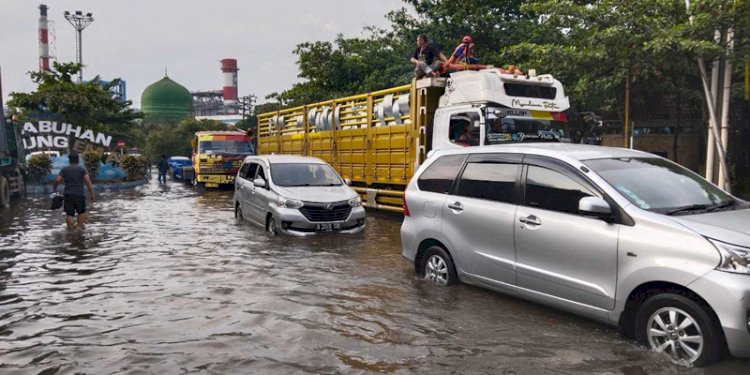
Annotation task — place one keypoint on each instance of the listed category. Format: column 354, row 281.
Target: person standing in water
column 74, row 176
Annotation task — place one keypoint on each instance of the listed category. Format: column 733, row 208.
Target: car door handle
column 456, row 206
column 530, row 220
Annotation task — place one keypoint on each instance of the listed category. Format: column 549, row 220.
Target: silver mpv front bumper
column 317, row 218
column 728, row 294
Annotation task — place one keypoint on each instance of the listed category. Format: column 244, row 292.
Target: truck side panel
column 371, row 139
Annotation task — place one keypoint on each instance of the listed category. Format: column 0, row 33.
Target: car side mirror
column 595, row 206
column 348, row 181
column 259, row 182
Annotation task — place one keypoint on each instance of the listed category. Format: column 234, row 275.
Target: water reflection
column 164, row 280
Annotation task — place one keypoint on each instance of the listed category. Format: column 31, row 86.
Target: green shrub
column 92, row 161
column 39, row 167
column 135, row 166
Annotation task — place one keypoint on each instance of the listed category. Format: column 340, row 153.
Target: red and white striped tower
column 44, row 54
column 229, row 73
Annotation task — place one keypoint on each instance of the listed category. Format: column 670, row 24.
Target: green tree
column 88, row 104
column 493, row 24
column 346, row 67
column 602, row 44
column 174, row 140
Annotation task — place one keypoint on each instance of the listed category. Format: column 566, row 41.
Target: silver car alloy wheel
column 675, row 332
column 437, row 270
column 272, row 226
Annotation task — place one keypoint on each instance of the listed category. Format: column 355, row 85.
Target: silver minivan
column 296, row 195
column 617, row 235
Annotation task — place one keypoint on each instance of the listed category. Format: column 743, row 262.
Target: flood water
column 165, row 280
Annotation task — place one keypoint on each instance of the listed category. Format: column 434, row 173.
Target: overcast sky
column 136, row 40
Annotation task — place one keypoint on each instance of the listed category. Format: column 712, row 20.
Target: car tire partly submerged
column 437, row 267
column 271, row 226
column 238, row 212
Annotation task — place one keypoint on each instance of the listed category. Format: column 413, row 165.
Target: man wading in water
column 74, row 176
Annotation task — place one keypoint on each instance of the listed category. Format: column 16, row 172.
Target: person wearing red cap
column 464, row 52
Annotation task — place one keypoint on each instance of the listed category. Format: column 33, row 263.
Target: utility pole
column 79, row 21
column 247, row 105
column 247, row 108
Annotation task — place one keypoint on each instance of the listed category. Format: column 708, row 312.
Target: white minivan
column 296, row 195
column 621, row 236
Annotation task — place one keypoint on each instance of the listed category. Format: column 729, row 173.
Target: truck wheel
column 4, row 192
column 680, row 327
column 200, row 187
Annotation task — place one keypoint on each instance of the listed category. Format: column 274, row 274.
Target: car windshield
column 659, row 185
column 299, row 174
column 224, row 147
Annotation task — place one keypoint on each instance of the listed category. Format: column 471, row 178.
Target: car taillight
column 405, row 206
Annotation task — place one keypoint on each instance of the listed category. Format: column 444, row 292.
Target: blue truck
column 181, row 167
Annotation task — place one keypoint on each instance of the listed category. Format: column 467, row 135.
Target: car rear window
column 439, row 176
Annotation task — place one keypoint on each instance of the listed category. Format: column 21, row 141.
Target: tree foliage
column 88, row 104
column 174, row 139
column 345, row 67
column 592, row 46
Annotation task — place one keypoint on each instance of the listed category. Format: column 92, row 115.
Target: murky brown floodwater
column 166, row 281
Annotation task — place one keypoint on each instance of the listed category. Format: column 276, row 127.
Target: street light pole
column 79, row 21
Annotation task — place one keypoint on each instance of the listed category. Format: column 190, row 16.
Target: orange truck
column 217, row 156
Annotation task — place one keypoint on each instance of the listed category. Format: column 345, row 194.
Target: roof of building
column 166, row 100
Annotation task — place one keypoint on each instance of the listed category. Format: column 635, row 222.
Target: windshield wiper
column 720, row 206
column 692, row 207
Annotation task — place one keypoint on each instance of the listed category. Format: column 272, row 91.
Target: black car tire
column 437, row 266
column 703, row 317
column 271, row 226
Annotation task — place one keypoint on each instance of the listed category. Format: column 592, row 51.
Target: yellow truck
column 217, row 156
column 378, row 140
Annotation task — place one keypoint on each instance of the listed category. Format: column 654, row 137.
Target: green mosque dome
column 166, row 101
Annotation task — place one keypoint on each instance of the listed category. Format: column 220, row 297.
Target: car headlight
column 289, row 203
column 355, row 202
column 734, row 258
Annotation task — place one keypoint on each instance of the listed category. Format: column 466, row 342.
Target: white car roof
column 556, row 150
column 286, row 159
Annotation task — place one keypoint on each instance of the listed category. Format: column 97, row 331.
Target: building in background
column 119, row 91
column 166, row 101
column 221, row 105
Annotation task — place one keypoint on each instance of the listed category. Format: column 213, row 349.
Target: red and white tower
column 229, row 73
column 44, row 40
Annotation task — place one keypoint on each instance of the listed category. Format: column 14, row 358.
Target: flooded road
column 166, row 281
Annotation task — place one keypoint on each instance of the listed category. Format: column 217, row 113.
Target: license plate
column 212, row 184
column 327, row 227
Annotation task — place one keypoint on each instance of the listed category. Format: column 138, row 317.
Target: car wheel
column 238, row 212
column 271, row 226
column 680, row 327
column 438, row 267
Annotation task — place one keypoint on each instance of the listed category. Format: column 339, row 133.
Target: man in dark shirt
column 427, row 59
column 74, row 176
column 162, row 166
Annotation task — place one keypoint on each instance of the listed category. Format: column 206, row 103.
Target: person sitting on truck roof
column 427, row 59
column 464, row 52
